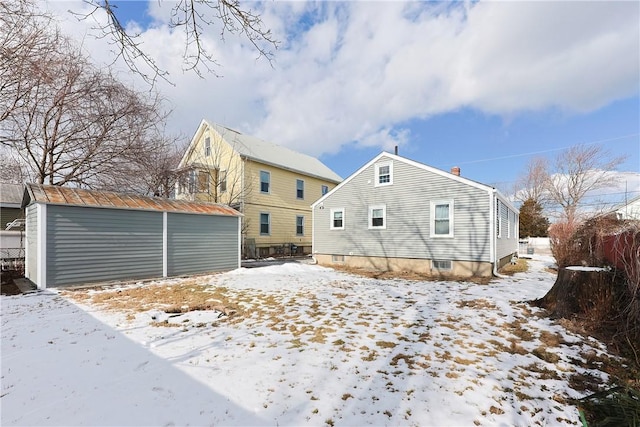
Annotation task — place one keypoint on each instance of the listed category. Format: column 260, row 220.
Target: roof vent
column 455, row 170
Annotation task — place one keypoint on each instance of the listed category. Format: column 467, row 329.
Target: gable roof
column 11, row 195
column 252, row 148
column 419, row 165
column 56, row 195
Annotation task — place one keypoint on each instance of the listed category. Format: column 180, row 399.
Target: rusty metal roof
column 55, row 195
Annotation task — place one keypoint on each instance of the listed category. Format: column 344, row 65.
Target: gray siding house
column 76, row 236
column 400, row 215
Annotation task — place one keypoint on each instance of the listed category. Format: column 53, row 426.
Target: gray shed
column 76, row 236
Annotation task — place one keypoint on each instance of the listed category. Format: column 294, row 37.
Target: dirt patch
column 7, row 286
column 409, row 275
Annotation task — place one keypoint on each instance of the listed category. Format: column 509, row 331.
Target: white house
column 398, row 214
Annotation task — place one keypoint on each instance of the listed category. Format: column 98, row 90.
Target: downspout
column 313, row 234
column 494, row 240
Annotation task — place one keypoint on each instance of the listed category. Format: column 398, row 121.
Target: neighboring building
column 271, row 185
column 11, row 226
column 398, row 214
column 10, row 204
column 76, row 236
column 629, row 210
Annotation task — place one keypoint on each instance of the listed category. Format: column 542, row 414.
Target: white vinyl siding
column 412, row 192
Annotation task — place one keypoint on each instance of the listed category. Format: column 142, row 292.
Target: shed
column 77, row 236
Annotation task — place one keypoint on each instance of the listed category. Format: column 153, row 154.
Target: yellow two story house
column 271, row 185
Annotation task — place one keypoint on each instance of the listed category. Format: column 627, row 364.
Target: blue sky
column 482, row 85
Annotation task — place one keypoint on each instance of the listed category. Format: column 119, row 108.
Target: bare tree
column 532, row 184
column 11, row 168
column 79, row 125
column 27, row 45
column 193, row 17
column 155, row 173
column 579, row 170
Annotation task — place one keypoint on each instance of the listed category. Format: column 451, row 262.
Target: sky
column 485, row 86
column 308, row 345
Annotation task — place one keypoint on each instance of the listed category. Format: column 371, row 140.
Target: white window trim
column 377, row 167
column 207, row 146
column 260, row 181
column 331, row 227
column 432, row 221
column 299, row 216
column 302, row 181
column 260, row 223
column 384, row 217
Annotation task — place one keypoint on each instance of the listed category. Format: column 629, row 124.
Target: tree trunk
column 583, row 292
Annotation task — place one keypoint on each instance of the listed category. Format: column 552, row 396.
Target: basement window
column 441, row 264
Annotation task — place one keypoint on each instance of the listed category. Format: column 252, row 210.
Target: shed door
column 201, row 243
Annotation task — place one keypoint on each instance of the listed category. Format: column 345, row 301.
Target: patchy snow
column 311, row 346
column 583, row 268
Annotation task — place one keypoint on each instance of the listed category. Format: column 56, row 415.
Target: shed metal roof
column 269, row 153
column 56, row 195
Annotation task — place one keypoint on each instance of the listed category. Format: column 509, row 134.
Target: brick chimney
column 455, row 170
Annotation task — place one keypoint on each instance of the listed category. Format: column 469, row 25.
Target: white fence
column 11, row 248
column 537, row 245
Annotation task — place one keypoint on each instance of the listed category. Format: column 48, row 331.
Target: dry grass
column 521, row 266
column 409, row 275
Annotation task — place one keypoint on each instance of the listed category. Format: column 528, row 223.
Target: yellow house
column 271, row 185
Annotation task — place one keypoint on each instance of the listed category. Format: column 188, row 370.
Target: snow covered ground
column 307, row 346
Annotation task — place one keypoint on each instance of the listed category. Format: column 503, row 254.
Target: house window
column 384, row 174
column 207, row 146
column 508, row 224
column 222, row 181
column 442, row 218
column 441, row 264
column 265, row 181
column 299, row 189
column 203, row 181
column 265, row 224
column 337, row 219
column 337, row 258
column 191, row 184
column 299, row 225
column 377, row 217
column 325, row 190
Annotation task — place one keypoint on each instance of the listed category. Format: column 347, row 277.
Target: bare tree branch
column 579, row 170
column 193, row 17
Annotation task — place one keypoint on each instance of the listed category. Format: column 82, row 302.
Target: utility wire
column 511, row 156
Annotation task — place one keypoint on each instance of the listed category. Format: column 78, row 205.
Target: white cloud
column 355, row 71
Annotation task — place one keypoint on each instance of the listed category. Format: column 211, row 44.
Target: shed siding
column 407, row 233
column 31, row 247
column 87, row 245
column 198, row 244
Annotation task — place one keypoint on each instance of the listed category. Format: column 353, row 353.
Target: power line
column 511, row 156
